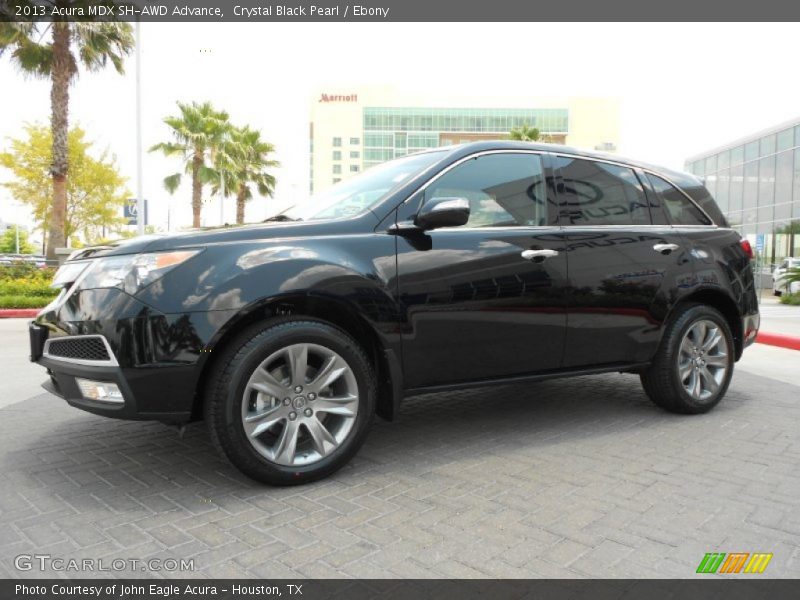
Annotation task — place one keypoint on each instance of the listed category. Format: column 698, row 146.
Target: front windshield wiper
column 279, row 218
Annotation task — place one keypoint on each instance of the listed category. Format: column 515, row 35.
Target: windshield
column 362, row 192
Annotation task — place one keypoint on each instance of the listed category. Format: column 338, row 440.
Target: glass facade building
column 756, row 182
column 355, row 128
column 392, row 132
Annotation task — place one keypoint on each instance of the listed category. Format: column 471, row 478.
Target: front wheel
column 694, row 363
column 290, row 403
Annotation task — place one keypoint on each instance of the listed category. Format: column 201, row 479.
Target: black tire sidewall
column 252, row 352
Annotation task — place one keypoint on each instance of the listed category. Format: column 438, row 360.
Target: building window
column 355, row 141
column 355, row 154
column 337, row 155
column 354, row 168
column 785, row 139
column 336, row 180
column 337, row 141
column 337, row 169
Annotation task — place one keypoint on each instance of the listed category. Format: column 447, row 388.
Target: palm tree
column 199, row 132
column 92, row 45
column 241, row 164
column 792, row 275
column 526, row 134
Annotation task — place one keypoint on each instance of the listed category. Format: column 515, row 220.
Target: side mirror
column 443, row 212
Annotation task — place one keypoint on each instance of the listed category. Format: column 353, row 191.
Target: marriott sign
column 338, row 98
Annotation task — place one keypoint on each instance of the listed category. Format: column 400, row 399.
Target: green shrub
column 24, row 285
column 27, row 287
column 23, row 302
column 791, row 299
column 26, row 271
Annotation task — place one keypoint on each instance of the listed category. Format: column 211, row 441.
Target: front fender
column 235, row 276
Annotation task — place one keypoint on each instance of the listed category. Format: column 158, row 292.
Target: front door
column 485, row 300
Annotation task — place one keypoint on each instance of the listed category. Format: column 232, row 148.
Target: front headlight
column 134, row 271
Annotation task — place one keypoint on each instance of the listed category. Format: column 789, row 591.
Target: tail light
column 748, row 249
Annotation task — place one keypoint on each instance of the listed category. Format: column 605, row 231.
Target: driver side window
column 504, row 190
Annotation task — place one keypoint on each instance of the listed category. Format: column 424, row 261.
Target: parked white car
column 778, row 286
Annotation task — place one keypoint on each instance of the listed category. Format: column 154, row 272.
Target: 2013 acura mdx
column 479, row 264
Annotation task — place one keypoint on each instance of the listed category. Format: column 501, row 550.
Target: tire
column 254, row 427
column 676, row 368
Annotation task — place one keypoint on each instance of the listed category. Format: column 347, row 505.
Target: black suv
column 479, row 264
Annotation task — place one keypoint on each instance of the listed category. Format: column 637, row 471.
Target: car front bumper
column 154, row 359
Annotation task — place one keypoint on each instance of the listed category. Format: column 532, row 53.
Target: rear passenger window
column 598, row 193
column 679, row 209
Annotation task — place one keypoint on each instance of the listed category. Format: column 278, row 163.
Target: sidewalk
column 778, row 318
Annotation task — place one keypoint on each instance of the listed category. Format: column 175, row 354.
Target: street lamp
column 141, row 214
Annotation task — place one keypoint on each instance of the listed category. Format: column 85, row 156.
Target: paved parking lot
column 570, row 478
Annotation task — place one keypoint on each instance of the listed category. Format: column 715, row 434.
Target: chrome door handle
column 665, row 248
column 538, row 254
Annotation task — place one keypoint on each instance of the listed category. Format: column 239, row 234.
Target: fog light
column 100, row 390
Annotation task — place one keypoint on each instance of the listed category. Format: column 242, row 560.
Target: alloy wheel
column 703, row 359
column 300, row 404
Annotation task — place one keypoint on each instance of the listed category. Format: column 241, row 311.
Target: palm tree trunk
column 197, row 187
column 59, row 105
column 240, row 201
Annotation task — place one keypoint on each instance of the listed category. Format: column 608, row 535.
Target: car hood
column 220, row 235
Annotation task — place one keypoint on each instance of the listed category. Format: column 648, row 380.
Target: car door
column 484, row 300
column 623, row 270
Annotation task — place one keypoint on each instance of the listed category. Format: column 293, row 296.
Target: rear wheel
column 290, row 403
column 694, row 364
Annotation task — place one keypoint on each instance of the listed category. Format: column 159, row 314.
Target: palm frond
column 172, row 182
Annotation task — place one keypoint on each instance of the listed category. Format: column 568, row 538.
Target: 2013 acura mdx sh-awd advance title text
column 479, row 264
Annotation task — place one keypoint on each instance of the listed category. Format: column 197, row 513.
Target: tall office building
column 354, row 128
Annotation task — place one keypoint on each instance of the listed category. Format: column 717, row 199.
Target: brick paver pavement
column 569, row 478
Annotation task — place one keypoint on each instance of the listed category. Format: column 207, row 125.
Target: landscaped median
column 24, row 289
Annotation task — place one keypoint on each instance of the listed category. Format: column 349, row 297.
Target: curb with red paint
column 19, row 313
column 791, row 342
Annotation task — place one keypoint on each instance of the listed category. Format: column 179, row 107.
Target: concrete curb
column 778, row 339
column 18, row 313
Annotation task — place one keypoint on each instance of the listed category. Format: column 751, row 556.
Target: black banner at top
column 331, row 11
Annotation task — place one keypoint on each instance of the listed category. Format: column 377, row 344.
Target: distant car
column 477, row 265
column 37, row 259
column 779, row 286
column 6, row 260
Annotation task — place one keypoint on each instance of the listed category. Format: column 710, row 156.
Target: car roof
column 679, row 177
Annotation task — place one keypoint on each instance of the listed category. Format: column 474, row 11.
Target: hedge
column 23, row 302
column 24, row 285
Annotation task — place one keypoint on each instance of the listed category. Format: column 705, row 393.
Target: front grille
column 79, row 348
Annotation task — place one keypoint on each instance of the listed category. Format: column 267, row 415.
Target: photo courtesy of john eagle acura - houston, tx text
column 471, row 265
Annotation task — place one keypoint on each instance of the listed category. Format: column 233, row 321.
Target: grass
column 791, row 299
column 17, row 301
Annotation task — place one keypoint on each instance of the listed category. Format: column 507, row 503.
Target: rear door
column 623, row 269
column 485, row 300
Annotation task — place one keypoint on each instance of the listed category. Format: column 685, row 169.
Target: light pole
column 222, row 197
column 140, row 208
